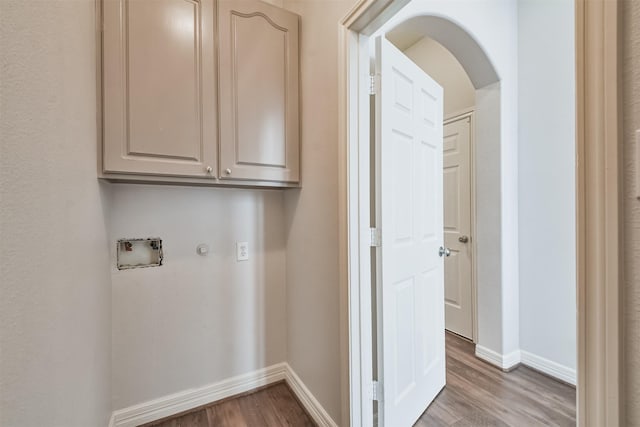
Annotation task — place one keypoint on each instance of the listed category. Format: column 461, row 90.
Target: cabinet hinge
column 375, row 238
column 376, row 391
column 372, row 84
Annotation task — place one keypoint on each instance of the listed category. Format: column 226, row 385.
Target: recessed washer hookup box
column 139, row 253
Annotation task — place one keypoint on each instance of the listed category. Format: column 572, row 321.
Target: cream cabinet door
column 259, row 79
column 159, row 87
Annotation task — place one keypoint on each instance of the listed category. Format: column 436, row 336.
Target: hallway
column 478, row 394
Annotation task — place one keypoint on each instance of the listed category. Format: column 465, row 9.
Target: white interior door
column 458, row 292
column 409, row 212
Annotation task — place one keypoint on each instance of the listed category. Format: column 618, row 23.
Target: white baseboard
column 185, row 400
column 313, row 407
column 511, row 360
column 502, row 361
column 549, row 367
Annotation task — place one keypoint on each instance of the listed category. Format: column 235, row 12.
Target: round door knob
column 444, row 251
column 463, row 239
column 209, row 169
column 227, row 171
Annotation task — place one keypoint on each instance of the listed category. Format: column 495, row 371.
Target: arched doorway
column 486, row 236
column 496, row 185
column 598, row 320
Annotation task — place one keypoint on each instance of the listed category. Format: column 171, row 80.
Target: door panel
column 457, row 225
column 161, row 112
column 451, row 198
column 159, row 87
column 409, row 211
column 259, row 104
column 263, row 143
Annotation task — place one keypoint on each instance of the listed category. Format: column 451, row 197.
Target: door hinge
column 376, row 391
column 372, row 84
column 375, row 238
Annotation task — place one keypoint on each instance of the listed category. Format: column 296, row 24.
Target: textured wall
column 546, row 65
column 631, row 95
column 54, row 281
column 313, row 292
column 197, row 319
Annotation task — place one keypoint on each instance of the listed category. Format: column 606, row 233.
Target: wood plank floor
column 478, row 394
column 274, row 406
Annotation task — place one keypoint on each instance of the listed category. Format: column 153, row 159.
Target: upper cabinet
column 196, row 91
column 258, row 92
column 159, row 87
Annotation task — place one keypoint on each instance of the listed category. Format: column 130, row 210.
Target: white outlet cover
column 242, row 251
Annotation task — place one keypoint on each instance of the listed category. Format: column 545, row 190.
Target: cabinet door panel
column 261, row 73
column 258, row 92
column 159, row 87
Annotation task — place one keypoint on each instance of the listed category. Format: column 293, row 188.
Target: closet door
column 159, row 87
column 260, row 131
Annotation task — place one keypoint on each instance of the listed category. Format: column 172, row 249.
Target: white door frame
column 598, row 209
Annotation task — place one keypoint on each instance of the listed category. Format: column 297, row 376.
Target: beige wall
column 631, row 95
column 197, row 319
column 444, row 68
column 313, row 298
column 54, row 280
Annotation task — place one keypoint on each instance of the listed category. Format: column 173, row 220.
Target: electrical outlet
column 242, row 251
